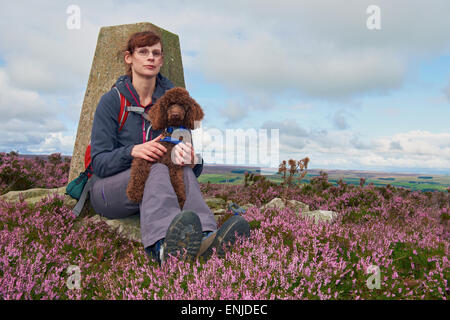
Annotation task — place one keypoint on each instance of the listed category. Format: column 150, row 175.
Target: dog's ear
column 194, row 113
column 158, row 116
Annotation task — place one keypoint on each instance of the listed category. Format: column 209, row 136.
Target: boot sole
column 227, row 235
column 184, row 232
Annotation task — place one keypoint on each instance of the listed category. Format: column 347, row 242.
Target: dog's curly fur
column 161, row 118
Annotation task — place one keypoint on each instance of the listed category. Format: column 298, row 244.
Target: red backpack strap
column 123, row 114
column 87, row 160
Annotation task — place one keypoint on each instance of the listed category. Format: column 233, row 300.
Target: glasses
column 145, row 52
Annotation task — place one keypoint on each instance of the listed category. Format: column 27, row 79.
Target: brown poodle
column 174, row 109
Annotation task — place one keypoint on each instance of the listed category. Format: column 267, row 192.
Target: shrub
column 18, row 173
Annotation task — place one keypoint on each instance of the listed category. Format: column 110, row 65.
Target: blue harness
column 170, row 130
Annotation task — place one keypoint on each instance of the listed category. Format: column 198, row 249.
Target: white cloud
column 337, row 149
column 413, row 149
column 54, row 142
column 356, row 143
column 257, row 66
column 300, row 106
column 288, row 127
column 320, row 48
column 418, row 143
column 28, row 120
column 40, row 52
column 20, row 103
column 233, row 111
column 340, row 119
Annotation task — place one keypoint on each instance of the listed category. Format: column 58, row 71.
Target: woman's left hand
column 184, row 154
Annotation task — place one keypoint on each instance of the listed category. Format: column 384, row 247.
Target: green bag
column 79, row 189
column 75, row 187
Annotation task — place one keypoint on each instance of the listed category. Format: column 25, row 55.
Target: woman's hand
column 184, row 154
column 150, row 150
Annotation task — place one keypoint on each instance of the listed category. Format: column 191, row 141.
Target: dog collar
column 169, row 139
column 170, row 128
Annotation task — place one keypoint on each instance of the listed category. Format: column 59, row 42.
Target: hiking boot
column 184, row 232
column 208, row 238
column 225, row 237
column 154, row 251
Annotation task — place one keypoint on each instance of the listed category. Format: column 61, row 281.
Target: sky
column 314, row 77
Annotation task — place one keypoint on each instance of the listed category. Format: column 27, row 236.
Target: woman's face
column 146, row 61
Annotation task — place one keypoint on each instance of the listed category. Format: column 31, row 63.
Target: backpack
column 80, row 186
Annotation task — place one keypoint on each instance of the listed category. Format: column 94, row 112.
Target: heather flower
column 286, row 257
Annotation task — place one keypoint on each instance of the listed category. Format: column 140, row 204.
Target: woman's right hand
column 150, row 150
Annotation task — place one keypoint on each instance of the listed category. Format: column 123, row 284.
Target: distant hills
column 413, row 181
column 232, row 174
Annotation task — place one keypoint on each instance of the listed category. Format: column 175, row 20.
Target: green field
column 417, row 182
column 220, row 178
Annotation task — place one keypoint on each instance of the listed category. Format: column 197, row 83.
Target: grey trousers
column 159, row 204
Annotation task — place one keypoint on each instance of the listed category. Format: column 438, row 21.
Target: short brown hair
column 141, row 39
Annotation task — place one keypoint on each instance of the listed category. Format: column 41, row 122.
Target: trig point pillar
column 107, row 66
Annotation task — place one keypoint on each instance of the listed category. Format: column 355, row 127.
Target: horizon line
column 437, row 171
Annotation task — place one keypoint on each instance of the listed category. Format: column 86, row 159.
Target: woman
column 165, row 230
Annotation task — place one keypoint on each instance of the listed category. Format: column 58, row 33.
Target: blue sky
column 343, row 95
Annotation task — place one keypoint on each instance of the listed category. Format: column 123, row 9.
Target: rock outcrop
column 129, row 228
column 35, row 195
column 291, row 204
column 297, row 206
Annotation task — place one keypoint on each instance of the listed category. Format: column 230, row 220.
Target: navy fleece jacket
column 111, row 148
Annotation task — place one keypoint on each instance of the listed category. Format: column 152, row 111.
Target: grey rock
column 33, row 196
column 321, row 215
column 274, row 203
column 129, row 228
column 215, row 203
column 219, row 211
column 297, row 206
column 292, row 204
